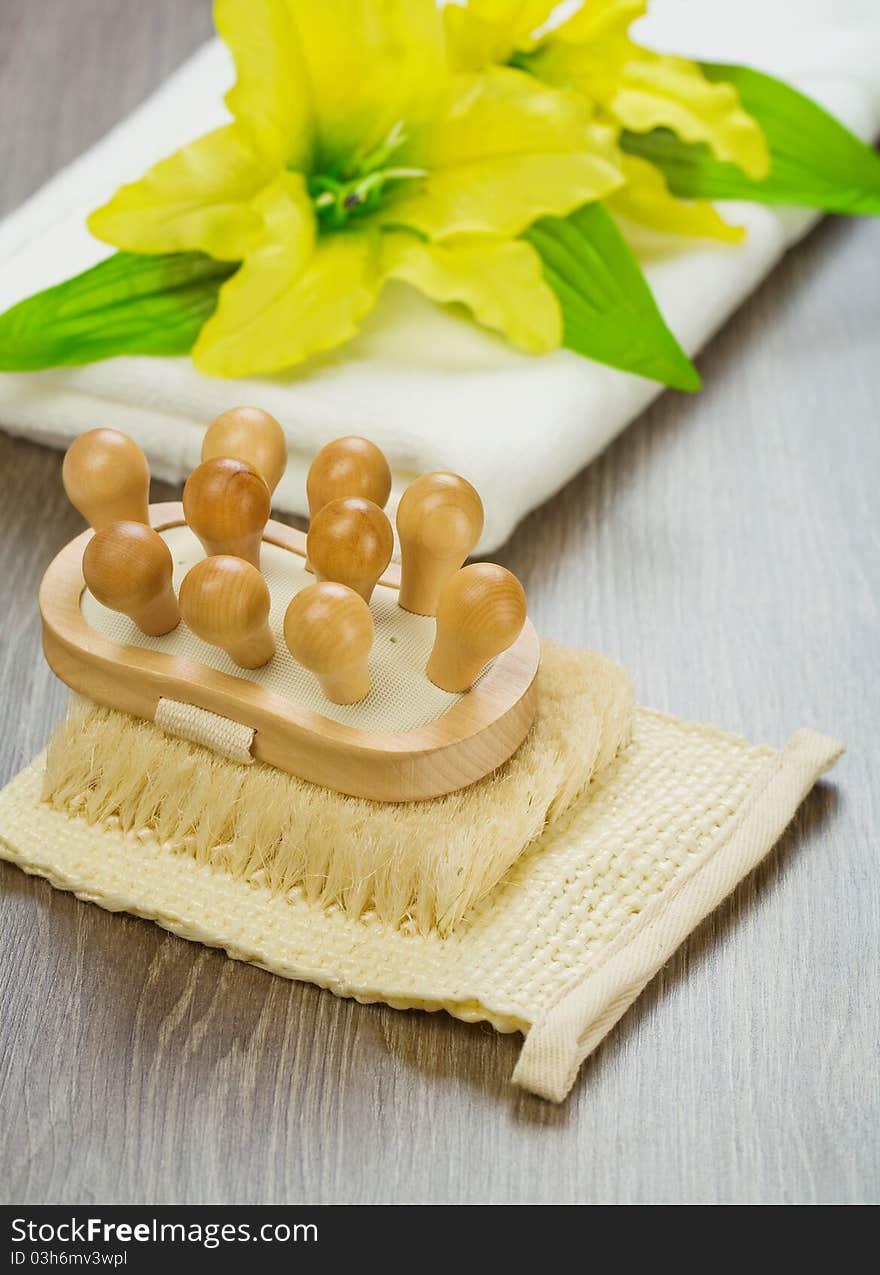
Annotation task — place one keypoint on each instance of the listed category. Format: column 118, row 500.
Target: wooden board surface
column 726, row 549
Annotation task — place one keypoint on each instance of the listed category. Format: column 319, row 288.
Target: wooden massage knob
column 350, row 541
column 328, row 629
column 225, row 601
column 439, row 521
column 251, row 435
column 226, row 503
column 349, row 466
column 481, row 612
column 107, row 478
column 128, row 568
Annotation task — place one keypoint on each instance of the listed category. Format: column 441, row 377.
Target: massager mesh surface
column 401, row 697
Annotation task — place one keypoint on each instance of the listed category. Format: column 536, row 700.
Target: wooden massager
column 481, row 653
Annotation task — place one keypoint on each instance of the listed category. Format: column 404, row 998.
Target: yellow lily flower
column 634, row 88
column 355, row 155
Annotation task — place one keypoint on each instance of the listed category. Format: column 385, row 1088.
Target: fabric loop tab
column 185, row 721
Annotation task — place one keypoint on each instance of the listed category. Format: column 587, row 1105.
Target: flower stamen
column 336, row 200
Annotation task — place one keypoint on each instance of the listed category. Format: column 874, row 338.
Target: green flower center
column 356, row 187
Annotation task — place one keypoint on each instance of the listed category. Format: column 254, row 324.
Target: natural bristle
column 425, row 863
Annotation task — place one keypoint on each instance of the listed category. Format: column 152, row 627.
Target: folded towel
column 431, row 389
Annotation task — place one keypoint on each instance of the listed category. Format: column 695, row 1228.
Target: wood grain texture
column 351, row 542
column 128, row 567
column 107, row 478
column 439, row 522
column 328, row 628
column 251, row 435
column 726, row 549
column 226, row 602
column 227, row 504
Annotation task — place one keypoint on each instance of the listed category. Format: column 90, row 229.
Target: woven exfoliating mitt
column 610, row 834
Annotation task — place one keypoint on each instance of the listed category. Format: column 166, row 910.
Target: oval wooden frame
column 476, row 736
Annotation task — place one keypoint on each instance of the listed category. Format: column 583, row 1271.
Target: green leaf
column 815, row 161
column 128, row 304
column 607, row 307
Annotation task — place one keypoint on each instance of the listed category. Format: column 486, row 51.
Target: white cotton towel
column 431, row 389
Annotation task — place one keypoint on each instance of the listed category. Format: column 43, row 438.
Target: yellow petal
column 522, row 16
column 371, row 65
column 294, row 295
column 475, row 43
column 486, row 32
column 597, row 21
column 505, row 151
column 271, row 98
column 499, row 280
column 647, row 200
column 198, row 199
column 288, row 217
column 658, row 91
column 592, row 53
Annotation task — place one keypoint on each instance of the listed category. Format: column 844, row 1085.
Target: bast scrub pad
column 558, row 950
column 423, row 863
